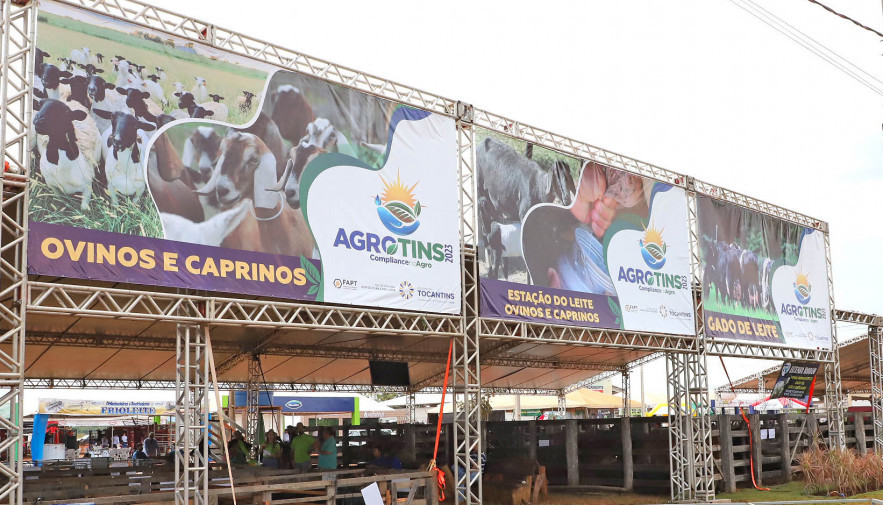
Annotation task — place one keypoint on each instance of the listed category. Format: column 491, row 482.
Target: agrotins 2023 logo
column 653, row 249
column 399, row 211
column 803, row 294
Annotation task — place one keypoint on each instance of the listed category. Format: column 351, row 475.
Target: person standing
column 139, row 453
column 125, row 439
column 116, row 441
column 151, row 446
column 272, row 450
column 301, row 445
column 328, row 451
column 239, row 449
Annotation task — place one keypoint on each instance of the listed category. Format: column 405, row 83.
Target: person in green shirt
column 328, row 451
column 239, row 449
column 272, row 449
column 301, row 446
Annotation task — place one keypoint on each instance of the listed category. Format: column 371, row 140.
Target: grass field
column 59, row 35
column 714, row 305
column 784, row 492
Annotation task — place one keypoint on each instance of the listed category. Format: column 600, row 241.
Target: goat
column 246, row 169
column 99, row 57
column 201, row 150
column 179, row 87
column 125, row 78
column 514, row 184
column 200, row 92
column 188, row 102
column 66, row 64
column 101, row 99
column 39, row 56
column 160, row 73
column 266, row 130
column 244, row 101
column 215, row 97
column 138, row 70
column 140, row 103
column 298, row 158
column 170, row 183
column 80, row 55
column 212, row 231
column 79, row 90
column 153, row 77
column 50, row 77
column 291, row 112
column 91, row 69
column 155, row 92
column 122, row 146
column 69, row 147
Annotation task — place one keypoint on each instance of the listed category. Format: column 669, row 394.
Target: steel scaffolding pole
column 833, row 385
column 16, row 60
column 252, row 402
column 626, row 395
column 191, row 417
column 466, row 367
column 562, row 404
column 875, row 348
column 412, row 408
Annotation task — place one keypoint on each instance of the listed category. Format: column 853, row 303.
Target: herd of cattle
column 230, row 187
column 740, row 276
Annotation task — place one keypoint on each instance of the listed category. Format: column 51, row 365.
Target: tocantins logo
column 406, row 290
column 802, row 288
column 653, row 248
column 397, row 207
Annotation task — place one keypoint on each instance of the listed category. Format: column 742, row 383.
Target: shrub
column 840, row 471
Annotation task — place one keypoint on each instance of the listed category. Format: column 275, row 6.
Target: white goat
column 211, row 232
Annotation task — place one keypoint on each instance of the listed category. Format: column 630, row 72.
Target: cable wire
column 832, row 11
column 807, row 43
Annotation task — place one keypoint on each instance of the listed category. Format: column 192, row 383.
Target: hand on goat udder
column 592, row 206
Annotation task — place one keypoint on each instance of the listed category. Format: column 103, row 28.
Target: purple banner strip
column 536, row 304
column 79, row 253
column 732, row 327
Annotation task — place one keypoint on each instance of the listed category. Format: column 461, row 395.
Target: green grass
column 59, row 35
column 792, row 491
column 714, row 305
column 128, row 216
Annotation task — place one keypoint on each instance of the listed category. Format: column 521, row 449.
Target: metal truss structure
column 252, row 402
column 875, row 351
column 191, row 417
column 686, row 356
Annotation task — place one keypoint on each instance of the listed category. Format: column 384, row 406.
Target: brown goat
column 170, row 183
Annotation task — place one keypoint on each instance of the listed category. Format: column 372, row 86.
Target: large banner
column 763, row 279
column 163, row 162
column 795, row 380
column 566, row 241
column 105, row 408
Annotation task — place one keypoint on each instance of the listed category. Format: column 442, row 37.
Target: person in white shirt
column 125, row 441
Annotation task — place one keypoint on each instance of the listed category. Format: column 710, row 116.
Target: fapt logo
column 397, row 207
column 653, row 248
column 802, row 288
column 294, row 404
column 406, row 290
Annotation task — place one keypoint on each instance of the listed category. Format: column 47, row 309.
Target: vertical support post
column 532, row 439
column 252, row 402
column 785, row 446
column 191, row 417
column 761, row 385
column 692, row 463
column 17, row 43
column 628, row 463
column 412, row 408
column 466, row 369
column 728, row 463
column 757, row 449
column 861, row 443
column 626, row 395
column 562, row 404
column 833, row 388
column 875, row 345
column 571, row 441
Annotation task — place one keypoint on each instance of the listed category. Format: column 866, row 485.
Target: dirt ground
column 602, row 499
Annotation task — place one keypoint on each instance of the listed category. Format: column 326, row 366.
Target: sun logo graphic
column 653, row 248
column 802, row 288
column 406, row 290
column 397, row 207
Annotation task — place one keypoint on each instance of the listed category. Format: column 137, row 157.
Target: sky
column 695, row 86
